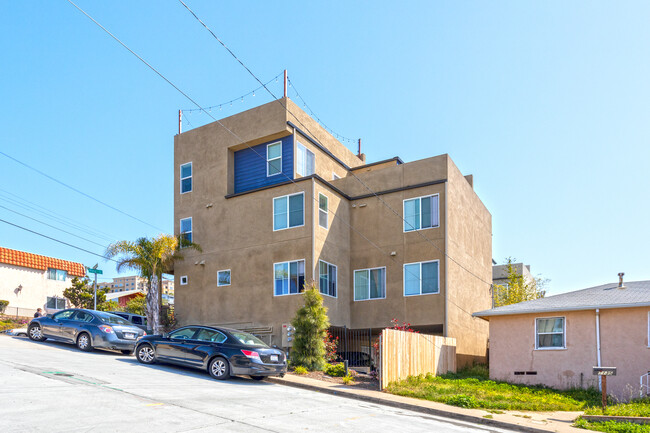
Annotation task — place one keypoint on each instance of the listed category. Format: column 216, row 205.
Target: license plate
column 129, row 336
column 274, row 358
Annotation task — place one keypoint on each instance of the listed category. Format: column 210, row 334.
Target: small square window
column 184, row 280
column 223, row 278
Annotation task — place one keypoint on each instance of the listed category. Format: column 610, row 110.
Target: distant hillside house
column 30, row 281
column 557, row 340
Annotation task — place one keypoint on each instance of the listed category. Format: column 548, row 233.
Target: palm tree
column 151, row 258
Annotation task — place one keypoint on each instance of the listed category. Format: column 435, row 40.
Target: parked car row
column 222, row 352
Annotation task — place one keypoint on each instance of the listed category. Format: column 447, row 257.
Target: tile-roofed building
column 30, row 281
column 37, row 261
column 556, row 341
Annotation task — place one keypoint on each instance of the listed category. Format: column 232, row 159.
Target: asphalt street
column 54, row 387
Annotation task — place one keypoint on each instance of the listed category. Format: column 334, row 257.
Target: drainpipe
column 598, row 346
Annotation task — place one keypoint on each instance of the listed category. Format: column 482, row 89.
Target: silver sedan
column 87, row 329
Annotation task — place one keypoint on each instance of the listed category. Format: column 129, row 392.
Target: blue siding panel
column 250, row 168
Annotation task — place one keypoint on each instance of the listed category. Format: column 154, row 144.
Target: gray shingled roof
column 635, row 294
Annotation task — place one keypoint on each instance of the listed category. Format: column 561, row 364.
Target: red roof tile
column 35, row 261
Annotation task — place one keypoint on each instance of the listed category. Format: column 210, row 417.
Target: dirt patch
column 361, row 381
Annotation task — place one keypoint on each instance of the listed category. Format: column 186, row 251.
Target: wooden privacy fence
column 404, row 354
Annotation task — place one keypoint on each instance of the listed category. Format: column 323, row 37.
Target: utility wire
column 78, row 191
column 54, row 227
column 489, row 283
column 30, row 206
column 56, row 240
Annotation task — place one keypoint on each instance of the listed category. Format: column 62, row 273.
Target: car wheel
column 258, row 377
column 35, row 333
column 146, row 354
column 83, row 342
column 126, row 352
column 219, row 368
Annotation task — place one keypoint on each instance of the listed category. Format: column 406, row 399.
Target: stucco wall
column 624, row 344
column 469, row 243
column 36, row 287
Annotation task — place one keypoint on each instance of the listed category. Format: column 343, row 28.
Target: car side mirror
column 165, row 336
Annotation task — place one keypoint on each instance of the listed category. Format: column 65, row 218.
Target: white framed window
column 184, row 280
column 186, row 229
column 289, row 211
column 421, row 278
column 305, row 161
column 186, row 178
column 274, row 159
column 369, row 284
column 335, row 176
column 288, row 277
column 550, row 333
column 322, row 210
column 421, row 213
column 327, row 280
column 55, row 303
column 223, row 278
column 56, row 274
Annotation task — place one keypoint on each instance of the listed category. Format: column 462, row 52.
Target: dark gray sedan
column 87, row 329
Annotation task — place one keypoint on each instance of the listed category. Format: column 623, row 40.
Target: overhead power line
column 78, row 191
column 54, row 227
column 56, row 240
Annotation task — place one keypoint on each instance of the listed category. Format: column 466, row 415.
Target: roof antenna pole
column 180, row 121
column 359, row 148
column 285, row 83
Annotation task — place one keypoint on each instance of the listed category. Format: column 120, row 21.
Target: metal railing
column 18, row 312
column 644, row 385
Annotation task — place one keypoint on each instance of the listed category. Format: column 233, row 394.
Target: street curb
column 412, row 407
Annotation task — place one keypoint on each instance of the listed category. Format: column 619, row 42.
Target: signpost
column 603, row 372
column 95, row 271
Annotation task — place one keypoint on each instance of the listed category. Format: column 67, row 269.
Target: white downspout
column 598, row 346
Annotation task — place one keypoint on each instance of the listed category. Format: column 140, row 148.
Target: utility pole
column 285, row 83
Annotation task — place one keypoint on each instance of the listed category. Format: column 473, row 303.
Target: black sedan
column 86, row 329
column 221, row 351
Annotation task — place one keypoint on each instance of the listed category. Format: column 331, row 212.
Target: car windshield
column 112, row 319
column 247, row 339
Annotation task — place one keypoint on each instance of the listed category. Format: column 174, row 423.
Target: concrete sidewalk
column 534, row 422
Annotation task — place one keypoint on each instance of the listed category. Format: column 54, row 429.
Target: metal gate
column 357, row 346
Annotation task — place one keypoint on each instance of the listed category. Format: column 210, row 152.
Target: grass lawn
column 471, row 388
column 639, row 407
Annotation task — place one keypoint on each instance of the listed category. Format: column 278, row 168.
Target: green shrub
column 348, row 379
column 637, row 407
column 335, row 370
column 3, row 306
column 310, row 324
column 300, row 370
column 462, row 400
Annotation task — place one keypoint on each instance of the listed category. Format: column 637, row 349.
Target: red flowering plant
column 331, row 344
column 396, row 325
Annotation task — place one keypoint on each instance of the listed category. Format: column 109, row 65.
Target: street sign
column 604, row 371
column 95, row 271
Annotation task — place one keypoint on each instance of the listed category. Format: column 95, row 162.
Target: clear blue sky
column 546, row 103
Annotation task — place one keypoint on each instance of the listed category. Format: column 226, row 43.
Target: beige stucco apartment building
column 275, row 202
column 556, row 341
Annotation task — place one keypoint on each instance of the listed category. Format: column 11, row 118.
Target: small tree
column 137, row 305
column 109, row 306
column 81, row 294
column 517, row 289
column 310, row 324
